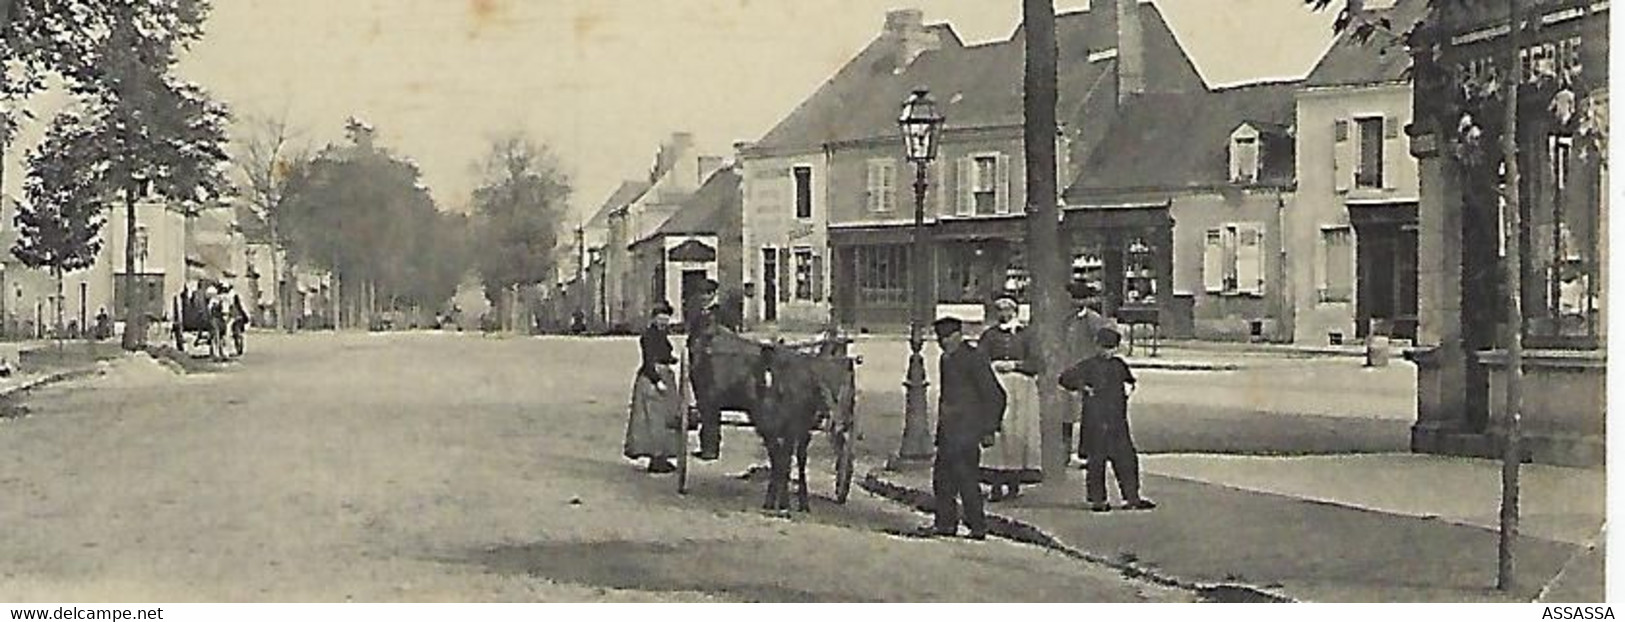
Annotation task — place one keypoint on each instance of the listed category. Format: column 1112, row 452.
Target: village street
column 436, row 467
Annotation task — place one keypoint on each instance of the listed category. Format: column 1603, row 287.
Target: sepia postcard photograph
column 1169, row 302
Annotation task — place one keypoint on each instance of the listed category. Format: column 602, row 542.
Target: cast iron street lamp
column 920, row 123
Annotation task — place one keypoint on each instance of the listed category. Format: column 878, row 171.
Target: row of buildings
column 173, row 251
column 1216, row 213
column 1307, row 211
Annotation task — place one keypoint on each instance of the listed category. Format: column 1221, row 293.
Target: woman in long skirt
column 652, row 428
column 1016, row 456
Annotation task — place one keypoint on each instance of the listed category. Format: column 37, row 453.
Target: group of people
column 654, row 427
column 988, row 429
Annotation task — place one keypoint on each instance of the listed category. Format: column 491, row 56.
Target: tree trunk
column 1043, row 232
column 1511, row 457
column 135, row 326
column 57, row 273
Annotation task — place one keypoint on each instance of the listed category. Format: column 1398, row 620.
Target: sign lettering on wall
column 801, row 230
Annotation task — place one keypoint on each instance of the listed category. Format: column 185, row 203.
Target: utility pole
column 1512, row 264
column 1043, row 229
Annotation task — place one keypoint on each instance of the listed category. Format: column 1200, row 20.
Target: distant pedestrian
column 656, row 411
column 1106, row 382
column 1016, row 455
column 970, row 407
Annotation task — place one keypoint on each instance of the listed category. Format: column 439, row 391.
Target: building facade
column 1355, row 220
column 1461, row 358
column 830, row 199
column 1181, row 225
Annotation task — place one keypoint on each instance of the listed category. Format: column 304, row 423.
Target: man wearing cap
column 970, row 409
column 700, row 324
column 1082, row 331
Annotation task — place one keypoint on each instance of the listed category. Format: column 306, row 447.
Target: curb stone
column 61, row 376
column 1020, row 531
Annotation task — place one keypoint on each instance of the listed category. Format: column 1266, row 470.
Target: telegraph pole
column 1043, row 229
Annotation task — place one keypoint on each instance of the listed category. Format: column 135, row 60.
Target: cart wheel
column 843, row 465
column 682, row 427
column 843, row 433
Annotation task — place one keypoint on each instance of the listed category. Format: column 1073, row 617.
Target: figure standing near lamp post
column 920, row 123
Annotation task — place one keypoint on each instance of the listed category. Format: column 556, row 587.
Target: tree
column 1043, row 234
column 269, row 166
column 164, row 138
column 59, row 224
column 364, row 214
column 520, row 207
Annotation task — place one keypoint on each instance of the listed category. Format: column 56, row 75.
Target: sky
column 602, row 82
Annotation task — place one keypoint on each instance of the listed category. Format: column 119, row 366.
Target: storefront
column 1562, row 121
column 1385, row 264
column 872, row 278
column 1125, row 254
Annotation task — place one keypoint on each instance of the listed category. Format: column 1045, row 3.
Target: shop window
column 1562, row 298
column 882, row 274
column 1140, row 273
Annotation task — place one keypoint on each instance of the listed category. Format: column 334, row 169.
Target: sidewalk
column 1372, row 528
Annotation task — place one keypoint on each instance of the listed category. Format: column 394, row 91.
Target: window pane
column 1369, row 174
column 803, row 181
column 1339, row 245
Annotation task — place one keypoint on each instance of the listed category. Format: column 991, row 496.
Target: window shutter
column 817, row 278
column 1213, row 261
column 936, row 199
column 1394, row 152
column 1343, row 155
column 965, row 177
column 1250, row 259
column 871, row 187
column 787, row 275
column 888, row 186
column 1063, row 176
column 1001, row 185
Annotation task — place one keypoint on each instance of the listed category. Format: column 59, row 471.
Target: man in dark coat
column 969, row 412
column 700, row 324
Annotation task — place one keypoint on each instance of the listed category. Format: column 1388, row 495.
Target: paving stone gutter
column 1020, row 531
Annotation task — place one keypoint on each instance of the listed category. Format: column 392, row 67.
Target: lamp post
column 920, row 123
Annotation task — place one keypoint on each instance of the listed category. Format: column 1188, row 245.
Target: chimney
column 708, row 165
column 1125, row 19
column 905, row 30
column 740, row 147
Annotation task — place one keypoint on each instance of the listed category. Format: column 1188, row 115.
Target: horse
column 785, row 394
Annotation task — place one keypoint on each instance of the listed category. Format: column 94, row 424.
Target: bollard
column 1376, row 346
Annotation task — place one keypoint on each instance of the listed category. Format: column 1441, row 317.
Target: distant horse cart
column 786, row 392
column 204, row 321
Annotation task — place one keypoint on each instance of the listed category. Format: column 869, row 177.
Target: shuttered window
column 1369, row 174
column 1213, row 270
column 1250, row 259
column 880, row 192
column 1336, row 264
column 1342, row 156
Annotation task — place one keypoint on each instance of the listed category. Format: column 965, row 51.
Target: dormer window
column 1244, row 159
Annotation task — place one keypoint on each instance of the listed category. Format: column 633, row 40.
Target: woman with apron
column 1016, row 456
column 656, row 413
